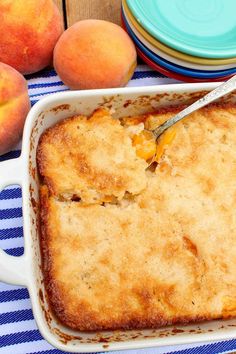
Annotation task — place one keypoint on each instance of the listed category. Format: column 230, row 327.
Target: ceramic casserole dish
column 26, row 270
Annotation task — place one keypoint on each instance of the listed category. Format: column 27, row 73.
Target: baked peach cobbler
column 134, row 233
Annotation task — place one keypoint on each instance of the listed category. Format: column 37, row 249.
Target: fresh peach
column 95, row 54
column 14, row 106
column 29, row 31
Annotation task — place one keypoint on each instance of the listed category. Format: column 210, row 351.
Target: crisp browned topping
column 157, row 248
column 91, row 158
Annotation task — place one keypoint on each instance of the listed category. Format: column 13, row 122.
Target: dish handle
column 13, row 270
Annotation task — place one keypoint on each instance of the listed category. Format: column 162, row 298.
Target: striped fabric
column 18, row 330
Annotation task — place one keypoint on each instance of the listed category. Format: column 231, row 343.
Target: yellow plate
column 169, row 50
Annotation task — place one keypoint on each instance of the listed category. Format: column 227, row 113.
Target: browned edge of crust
column 40, row 157
column 52, row 290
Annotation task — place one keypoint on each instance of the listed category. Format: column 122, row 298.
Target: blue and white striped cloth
column 18, row 330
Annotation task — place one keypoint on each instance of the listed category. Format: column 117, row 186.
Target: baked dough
column 157, row 248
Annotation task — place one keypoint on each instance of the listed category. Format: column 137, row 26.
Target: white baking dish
column 26, row 270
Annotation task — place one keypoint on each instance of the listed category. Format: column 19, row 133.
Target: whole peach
column 95, row 54
column 14, row 106
column 29, row 31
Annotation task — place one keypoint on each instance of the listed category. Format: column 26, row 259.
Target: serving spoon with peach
column 218, row 92
column 151, row 143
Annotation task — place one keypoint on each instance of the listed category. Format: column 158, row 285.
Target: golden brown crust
column 95, row 156
column 163, row 256
column 51, row 285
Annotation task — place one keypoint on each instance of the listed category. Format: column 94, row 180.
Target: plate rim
column 176, row 76
column 169, row 50
column 173, row 67
column 200, row 52
column 168, row 57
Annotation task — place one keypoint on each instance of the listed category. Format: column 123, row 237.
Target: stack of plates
column 189, row 40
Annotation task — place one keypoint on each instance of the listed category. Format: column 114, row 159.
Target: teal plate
column 204, row 28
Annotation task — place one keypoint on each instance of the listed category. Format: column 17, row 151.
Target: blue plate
column 173, row 67
column 205, row 28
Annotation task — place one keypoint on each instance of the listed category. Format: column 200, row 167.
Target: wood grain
column 108, row 10
column 59, row 4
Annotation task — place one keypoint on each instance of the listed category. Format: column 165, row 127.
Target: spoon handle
column 220, row 91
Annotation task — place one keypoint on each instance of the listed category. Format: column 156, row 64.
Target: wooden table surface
column 75, row 10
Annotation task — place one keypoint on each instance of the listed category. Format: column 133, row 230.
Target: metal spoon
column 220, row 91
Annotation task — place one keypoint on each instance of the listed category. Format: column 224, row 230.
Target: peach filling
column 148, row 148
